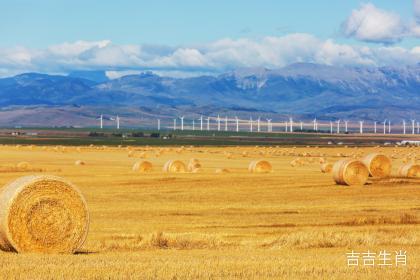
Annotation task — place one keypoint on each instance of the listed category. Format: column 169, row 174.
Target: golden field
column 292, row 223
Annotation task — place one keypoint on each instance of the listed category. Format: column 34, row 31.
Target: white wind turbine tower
column 346, row 126
column 285, row 123
column 374, row 127
column 218, row 123
column 403, row 126
column 314, row 121
column 250, row 124
column 418, row 127
column 291, row 124
column 201, row 123
column 182, row 122
column 193, row 124
column 361, row 126
column 158, row 123
column 237, row 123
column 208, row 123
column 338, row 126
column 175, row 124
column 384, row 126
column 258, row 124
column 301, row 126
column 331, row 127
column 413, row 123
column 101, row 121
column 269, row 126
column 226, row 123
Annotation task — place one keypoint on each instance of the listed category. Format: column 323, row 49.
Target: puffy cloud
column 371, row 24
column 214, row 57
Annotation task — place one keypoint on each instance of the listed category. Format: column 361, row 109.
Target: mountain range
column 303, row 89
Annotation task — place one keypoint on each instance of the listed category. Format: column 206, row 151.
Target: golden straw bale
column 193, row 164
column 23, row 165
column 350, row 172
column 43, row 214
column 326, row 167
column 260, row 166
column 409, row 170
column 222, row 170
column 143, row 166
column 174, row 166
column 379, row 165
column 79, row 162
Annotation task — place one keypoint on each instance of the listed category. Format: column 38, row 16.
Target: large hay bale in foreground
column 44, row 214
column 143, row 166
column 174, row 166
column 379, row 165
column 350, row 172
column 409, row 170
column 326, row 167
column 260, row 166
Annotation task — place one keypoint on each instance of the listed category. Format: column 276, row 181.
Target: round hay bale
column 143, row 166
column 379, row 165
column 23, row 165
column 322, row 160
column 222, row 170
column 43, row 214
column 79, row 162
column 350, row 172
column 260, row 166
column 326, row 167
column 193, row 164
column 409, row 170
column 174, row 166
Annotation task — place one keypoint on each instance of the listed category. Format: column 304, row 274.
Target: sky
column 198, row 37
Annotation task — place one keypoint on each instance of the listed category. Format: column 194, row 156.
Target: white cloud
column 371, row 24
column 214, row 57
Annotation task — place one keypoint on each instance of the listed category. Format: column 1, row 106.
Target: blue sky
column 30, row 27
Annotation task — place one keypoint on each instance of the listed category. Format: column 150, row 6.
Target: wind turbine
column 301, row 126
column 346, row 126
column 117, row 119
column 193, row 124
column 158, row 123
column 413, row 122
column 361, row 126
column 201, row 122
column 374, row 127
column 269, row 126
column 175, row 124
column 403, row 126
column 101, row 123
column 237, row 123
column 226, row 123
column 338, row 127
column 314, row 121
column 250, row 124
column 291, row 124
column 384, row 126
column 182, row 122
column 418, row 127
column 331, row 127
column 218, row 123
column 208, row 123
column 258, row 124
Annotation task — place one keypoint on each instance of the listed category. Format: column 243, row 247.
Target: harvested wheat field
column 293, row 222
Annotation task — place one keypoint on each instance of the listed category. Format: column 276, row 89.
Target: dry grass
column 293, row 223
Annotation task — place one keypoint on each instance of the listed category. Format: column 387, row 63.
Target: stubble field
column 292, row 223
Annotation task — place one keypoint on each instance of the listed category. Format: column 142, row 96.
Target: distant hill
column 307, row 90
